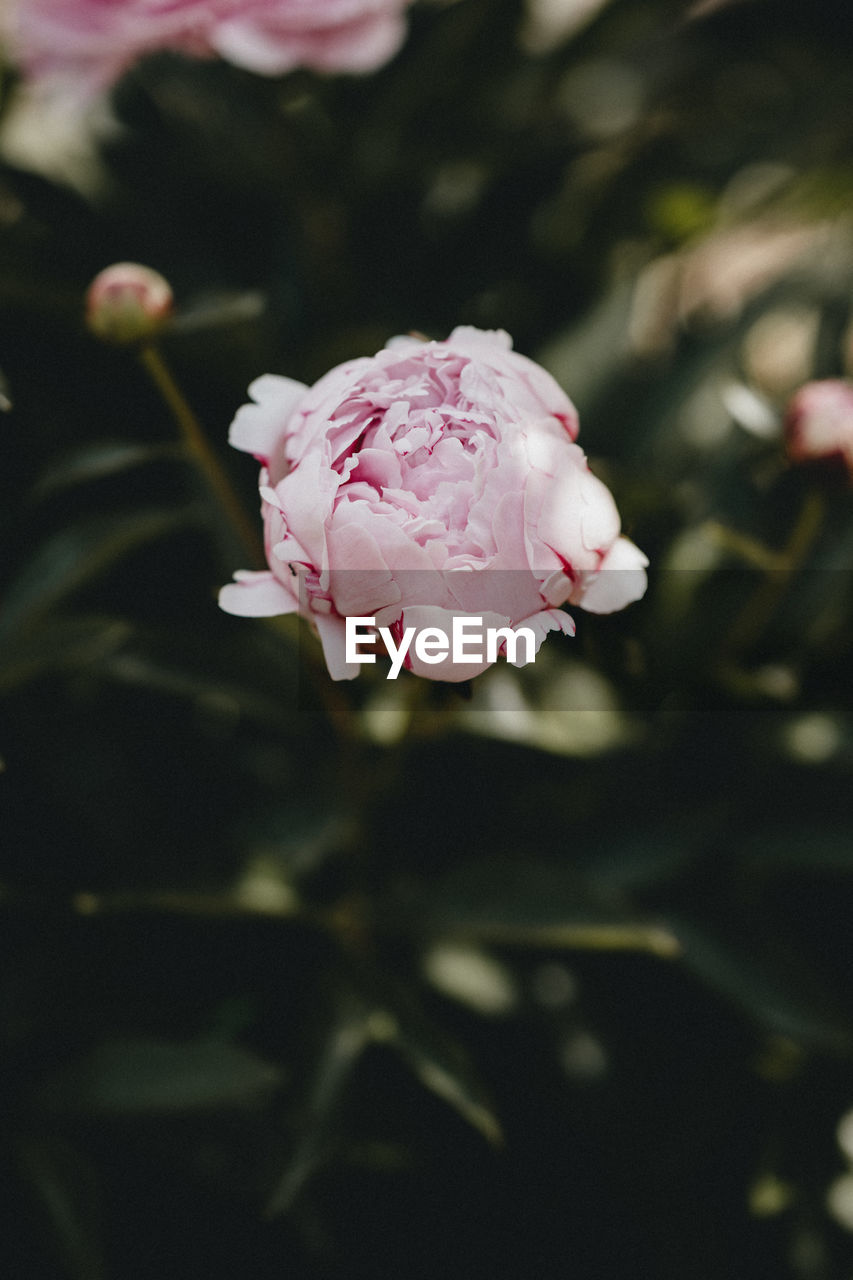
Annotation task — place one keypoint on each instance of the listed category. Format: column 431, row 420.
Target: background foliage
column 554, row 982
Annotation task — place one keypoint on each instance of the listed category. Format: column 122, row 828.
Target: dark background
column 567, row 994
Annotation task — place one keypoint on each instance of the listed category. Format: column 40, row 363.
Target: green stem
column 195, row 442
column 200, row 451
column 334, row 702
column 758, row 613
column 746, row 548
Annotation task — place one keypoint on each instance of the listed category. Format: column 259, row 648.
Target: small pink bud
column 819, row 422
column 127, row 303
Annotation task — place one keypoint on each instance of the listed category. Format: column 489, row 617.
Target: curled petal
column 619, row 580
column 256, row 595
column 258, row 428
column 332, row 632
column 549, row 620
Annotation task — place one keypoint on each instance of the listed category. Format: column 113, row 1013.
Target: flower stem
column 751, row 623
column 200, row 451
column 195, row 442
column 746, row 548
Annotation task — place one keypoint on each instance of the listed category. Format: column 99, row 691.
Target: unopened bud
column 127, row 303
column 819, row 422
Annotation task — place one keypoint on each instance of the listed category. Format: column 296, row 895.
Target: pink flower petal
column 619, row 581
column 332, row 632
column 93, row 41
column 259, row 427
column 256, row 595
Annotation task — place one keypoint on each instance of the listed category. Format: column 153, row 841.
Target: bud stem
column 335, row 704
column 200, row 451
column 750, row 625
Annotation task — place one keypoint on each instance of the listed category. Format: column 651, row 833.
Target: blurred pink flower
column 819, row 422
column 431, row 480
column 92, row 42
column 128, row 302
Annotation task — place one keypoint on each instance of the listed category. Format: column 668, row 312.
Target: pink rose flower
column 433, row 480
column 819, row 422
column 94, row 41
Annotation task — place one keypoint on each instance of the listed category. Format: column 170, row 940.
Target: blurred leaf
column 589, row 355
column 68, row 644
column 98, row 461
column 398, row 1018
column 777, row 987
column 215, row 697
column 537, row 904
column 661, row 851
column 549, row 905
column 64, row 1187
column 140, row 1077
column 679, row 210
column 346, row 1038
column 79, row 553
column 438, row 1062
column 796, row 849
column 224, row 308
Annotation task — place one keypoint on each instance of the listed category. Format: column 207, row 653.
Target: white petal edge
column 256, row 595
column 620, row 580
column 257, row 428
column 332, row 632
column 543, row 622
column 466, row 337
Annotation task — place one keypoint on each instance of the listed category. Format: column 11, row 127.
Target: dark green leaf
column 438, row 1061
column 533, row 903
column 776, row 988
column 397, row 1018
column 213, row 696
column 64, row 1188
column 797, row 849
column 98, row 461
column 346, row 1038
column 156, row 1077
column 222, row 309
column 68, row 644
column 77, row 555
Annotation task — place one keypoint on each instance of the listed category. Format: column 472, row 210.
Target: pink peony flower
column 433, row 480
column 94, row 41
column 819, row 422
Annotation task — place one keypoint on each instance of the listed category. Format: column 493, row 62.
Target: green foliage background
column 555, row 982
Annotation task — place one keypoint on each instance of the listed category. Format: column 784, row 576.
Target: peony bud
column 127, row 303
column 819, row 422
